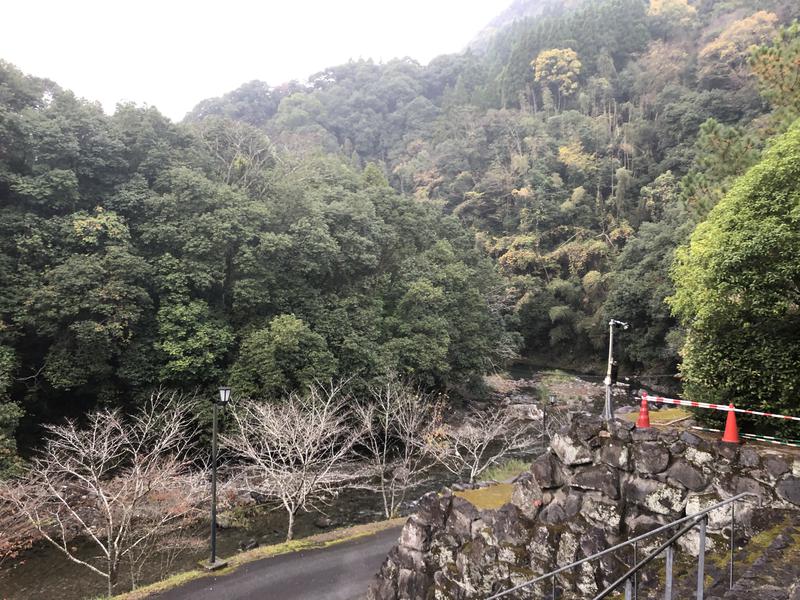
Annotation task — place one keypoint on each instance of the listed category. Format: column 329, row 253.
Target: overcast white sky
column 174, row 53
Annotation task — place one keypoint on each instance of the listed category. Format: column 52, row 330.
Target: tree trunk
column 111, row 577
column 290, row 529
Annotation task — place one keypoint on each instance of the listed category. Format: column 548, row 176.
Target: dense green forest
column 430, row 220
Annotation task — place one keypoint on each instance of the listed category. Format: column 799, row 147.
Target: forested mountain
column 581, row 147
column 432, row 220
column 517, row 11
column 137, row 253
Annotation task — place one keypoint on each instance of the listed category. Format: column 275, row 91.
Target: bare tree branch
column 484, row 438
column 295, row 450
column 395, row 425
column 118, row 482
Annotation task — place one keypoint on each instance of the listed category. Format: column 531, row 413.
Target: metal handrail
column 649, row 558
column 626, row 543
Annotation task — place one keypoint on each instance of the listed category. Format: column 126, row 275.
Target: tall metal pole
column 214, row 490
column 730, row 570
column 608, row 415
column 701, row 560
column 668, row 587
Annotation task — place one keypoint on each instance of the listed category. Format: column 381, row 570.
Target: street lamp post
column 224, row 398
column 608, row 412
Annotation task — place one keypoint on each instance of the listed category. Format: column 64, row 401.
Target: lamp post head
column 224, row 395
column 613, row 322
column 552, row 399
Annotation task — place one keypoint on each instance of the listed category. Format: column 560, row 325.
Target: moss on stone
column 488, row 498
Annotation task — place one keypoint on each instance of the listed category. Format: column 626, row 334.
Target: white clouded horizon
column 173, row 54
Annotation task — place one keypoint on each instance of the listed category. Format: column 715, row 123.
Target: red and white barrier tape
column 660, row 400
column 757, row 438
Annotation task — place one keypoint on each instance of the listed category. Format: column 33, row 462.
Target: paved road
column 340, row 572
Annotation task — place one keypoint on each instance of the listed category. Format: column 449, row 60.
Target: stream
column 43, row 572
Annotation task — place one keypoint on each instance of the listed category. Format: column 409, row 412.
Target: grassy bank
column 321, row 540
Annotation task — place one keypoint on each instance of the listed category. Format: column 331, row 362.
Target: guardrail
column 630, row 578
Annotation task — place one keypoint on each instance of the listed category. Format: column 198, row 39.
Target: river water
column 43, row 572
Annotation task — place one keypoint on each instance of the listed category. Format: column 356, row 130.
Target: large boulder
column 776, row 466
column 600, row 478
column 527, row 496
column 615, row 454
column 650, row 457
column 789, row 489
column 685, row 473
column 570, row 451
column 547, row 471
column 602, row 512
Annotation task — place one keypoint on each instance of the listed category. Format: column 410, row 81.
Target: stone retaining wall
column 591, row 490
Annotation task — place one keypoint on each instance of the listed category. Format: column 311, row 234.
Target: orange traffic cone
column 731, row 434
column 644, row 415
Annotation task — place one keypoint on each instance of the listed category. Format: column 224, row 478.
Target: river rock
column 246, row 545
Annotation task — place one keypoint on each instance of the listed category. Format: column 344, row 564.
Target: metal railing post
column 730, row 569
column 635, row 575
column 701, row 559
column 628, row 589
column 668, row 584
column 691, row 521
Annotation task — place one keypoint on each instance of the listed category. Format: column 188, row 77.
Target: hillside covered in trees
column 429, row 220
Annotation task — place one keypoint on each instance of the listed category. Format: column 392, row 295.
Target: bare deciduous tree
column 118, row 482
column 240, row 151
column 484, row 438
column 294, row 449
column 395, row 427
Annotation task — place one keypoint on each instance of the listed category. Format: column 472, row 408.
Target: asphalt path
column 342, row 571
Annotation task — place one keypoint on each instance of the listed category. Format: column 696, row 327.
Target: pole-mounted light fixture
column 611, row 373
column 224, row 395
column 224, row 398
